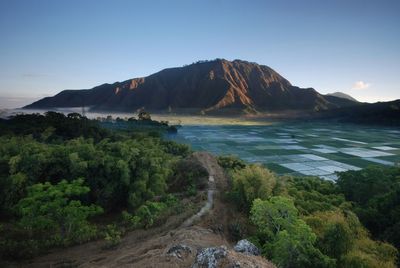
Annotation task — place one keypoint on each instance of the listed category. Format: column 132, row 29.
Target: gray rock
column 179, row 251
column 236, row 264
column 246, row 247
column 209, row 257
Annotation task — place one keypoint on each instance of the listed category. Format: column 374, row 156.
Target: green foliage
column 336, row 231
column 54, row 209
column 295, row 248
column 342, row 236
column 250, row 183
column 130, row 221
column 274, row 215
column 231, row 162
column 188, row 176
column 307, row 222
column 375, row 193
column 112, row 236
column 289, row 241
column 312, row 194
column 149, row 213
column 177, row 149
column 52, row 126
column 368, row 253
column 124, row 168
column 119, row 173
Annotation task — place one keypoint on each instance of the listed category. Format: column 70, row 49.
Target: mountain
column 342, row 95
column 206, row 86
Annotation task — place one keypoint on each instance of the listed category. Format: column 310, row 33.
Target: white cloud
column 360, row 85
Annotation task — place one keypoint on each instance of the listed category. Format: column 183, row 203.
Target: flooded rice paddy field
column 299, row 149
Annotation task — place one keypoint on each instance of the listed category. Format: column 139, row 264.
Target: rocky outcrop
column 208, row 87
column 246, row 247
column 221, row 257
column 209, row 257
column 180, row 251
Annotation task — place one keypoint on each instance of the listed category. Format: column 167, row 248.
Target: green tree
column 231, row 162
column 375, row 193
column 341, row 236
column 250, row 183
column 55, row 209
column 273, row 215
column 288, row 240
column 149, row 212
column 312, row 194
column 295, row 248
column 336, row 232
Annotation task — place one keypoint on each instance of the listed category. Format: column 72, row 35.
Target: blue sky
column 49, row 45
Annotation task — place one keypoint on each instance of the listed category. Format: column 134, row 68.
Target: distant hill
column 380, row 113
column 342, row 95
column 215, row 86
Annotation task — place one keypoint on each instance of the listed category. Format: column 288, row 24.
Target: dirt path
column 207, row 207
column 214, row 171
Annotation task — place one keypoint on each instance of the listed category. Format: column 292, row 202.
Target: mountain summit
column 205, row 86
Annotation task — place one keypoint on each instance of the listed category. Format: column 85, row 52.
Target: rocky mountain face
column 210, row 86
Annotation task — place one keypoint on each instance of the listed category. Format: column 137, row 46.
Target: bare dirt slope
column 154, row 247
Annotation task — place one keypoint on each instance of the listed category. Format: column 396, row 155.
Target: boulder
column 179, row 251
column 209, row 257
column 246, row 247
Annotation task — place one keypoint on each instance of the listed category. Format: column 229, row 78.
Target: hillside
column 77, row 193
column 174, row 244
column 380, row 113
column 207, row 87
column 342, row 95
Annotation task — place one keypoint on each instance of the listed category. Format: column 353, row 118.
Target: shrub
column 236, row 230
column 231, row 162
column 130, row 221
column 250, row 183
column 188, row 176
column 177, row 149
column 54, row 210
column 149, row 212
column 112, row 235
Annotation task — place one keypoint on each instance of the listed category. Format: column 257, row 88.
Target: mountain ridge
column 205, row 86
column 342, row 95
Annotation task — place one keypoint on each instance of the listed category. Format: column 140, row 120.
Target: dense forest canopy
column 57, row 172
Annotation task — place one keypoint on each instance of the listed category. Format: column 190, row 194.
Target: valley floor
column 311, row 149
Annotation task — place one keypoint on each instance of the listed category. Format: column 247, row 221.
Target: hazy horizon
column 337, row 46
